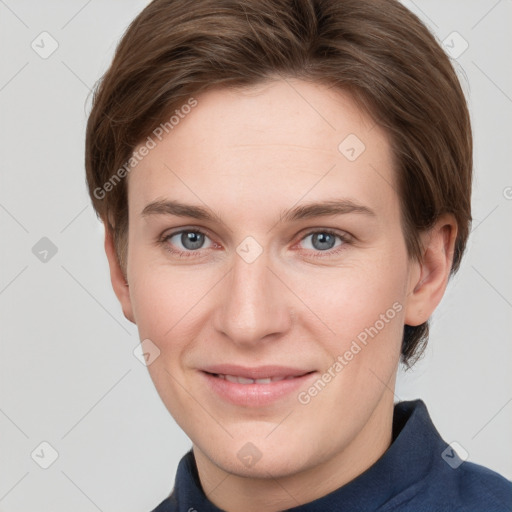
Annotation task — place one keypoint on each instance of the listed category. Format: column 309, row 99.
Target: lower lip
column 254, row 395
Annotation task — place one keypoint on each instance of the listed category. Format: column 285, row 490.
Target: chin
column 257, row 457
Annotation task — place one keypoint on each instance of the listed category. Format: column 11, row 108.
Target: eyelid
column 333, row 231
column 190, row 229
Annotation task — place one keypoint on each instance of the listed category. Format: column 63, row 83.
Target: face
column 267, row 265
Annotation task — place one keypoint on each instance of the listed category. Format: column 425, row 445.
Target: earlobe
column 117, row 277
column 429, row 277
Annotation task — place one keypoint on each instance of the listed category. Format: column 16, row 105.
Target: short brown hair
column 377, row 50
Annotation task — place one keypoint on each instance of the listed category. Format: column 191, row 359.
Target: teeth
column 245, row 380
column 231, row 378
column 263, row 381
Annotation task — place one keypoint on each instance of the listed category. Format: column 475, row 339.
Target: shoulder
column 466, row 488
column 168, row 505
column 441, row 481
column 479, row 488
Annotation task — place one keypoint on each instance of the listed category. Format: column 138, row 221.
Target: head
column 281, row 183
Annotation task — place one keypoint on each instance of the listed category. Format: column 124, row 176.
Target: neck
column 232, row 492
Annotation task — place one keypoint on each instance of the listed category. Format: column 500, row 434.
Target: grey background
column 68, row 375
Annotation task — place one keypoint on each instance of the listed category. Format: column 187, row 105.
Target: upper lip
column 258, row 372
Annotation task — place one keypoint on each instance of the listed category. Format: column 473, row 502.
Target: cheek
column 153, row 308
column 164, row 298
column 166, row 303
column 350, row 299
column 363, row 309
column 169, row 306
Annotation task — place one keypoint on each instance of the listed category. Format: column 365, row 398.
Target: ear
column 119, row 282
column 429, row 277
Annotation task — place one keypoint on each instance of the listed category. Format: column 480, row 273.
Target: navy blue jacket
column 418, row 473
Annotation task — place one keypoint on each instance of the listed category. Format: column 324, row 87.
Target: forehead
column 265, row 146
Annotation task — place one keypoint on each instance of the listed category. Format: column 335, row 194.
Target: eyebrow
column 317, row 209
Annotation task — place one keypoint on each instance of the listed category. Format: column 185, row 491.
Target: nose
column 252, row 307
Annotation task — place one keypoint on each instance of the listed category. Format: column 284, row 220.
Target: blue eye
column 190, row 240
column 324, row 240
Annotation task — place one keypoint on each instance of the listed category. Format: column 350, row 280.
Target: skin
column 248, row 155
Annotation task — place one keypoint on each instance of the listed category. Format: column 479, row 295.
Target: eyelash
column 345, row 239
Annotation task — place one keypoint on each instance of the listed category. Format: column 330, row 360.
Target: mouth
column 246, row 380
column 255, row 387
